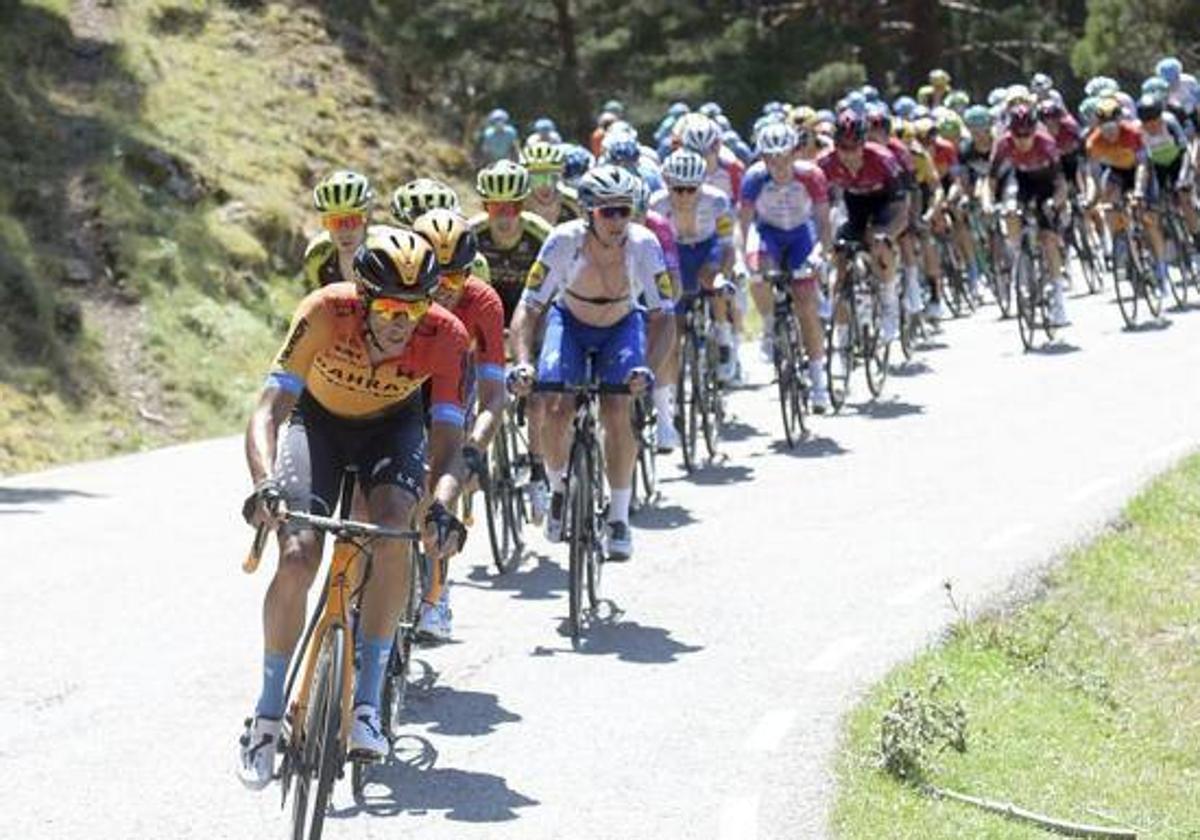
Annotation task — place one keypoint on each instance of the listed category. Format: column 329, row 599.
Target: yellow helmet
column 396, row 263
column 503, row 181
column 343, row 191
column 451, row 237
column 543, row 157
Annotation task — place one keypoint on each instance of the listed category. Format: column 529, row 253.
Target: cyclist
column 544, row 132
column 882, row 129
column 702, row 225
column 939, row 83
column 871, row 183
column 548, row 196
column 478, row 307
column 346, row 389
column 344, row 201
column 1171, row 165
column 415, row 198
column 667, row 437
column 587, row 281
column 782, row 197
column 1027, row 156
column 498, row 139
column 1183, row 91
column 510, row 239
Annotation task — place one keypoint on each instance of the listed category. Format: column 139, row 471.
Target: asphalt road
column 767, row 592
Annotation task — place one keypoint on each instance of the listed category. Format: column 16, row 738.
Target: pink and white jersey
column 713, row 216
column 789, row 205
column 661, row 226
column 727, row 175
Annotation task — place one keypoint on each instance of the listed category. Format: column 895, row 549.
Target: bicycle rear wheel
column 876, row 351
column 646, row 429
column 1026, row 302
column 1126, row 282
column 320, row 752
column 953, row 284
column 687, row 402
column 839, row 354
column 1148, row 280
column 712, row 415
column 1180, row 270
column 501, row 497
column 1082, row 245
column 787, row 378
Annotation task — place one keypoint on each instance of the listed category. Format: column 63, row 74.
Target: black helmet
column 396, row 263
column 1149, row 107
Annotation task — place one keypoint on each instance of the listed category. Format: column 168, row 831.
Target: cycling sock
column 816, row 370
column 972, row 272
column 556, row 481
column 1160, row 270
column 373, row 660
column 270, row 702
column 618, row 509
column 662, row 402
column 537, row 468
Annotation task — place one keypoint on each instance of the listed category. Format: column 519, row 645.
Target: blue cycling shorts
column 621, row 348
column 787, row 250
column 694, row 257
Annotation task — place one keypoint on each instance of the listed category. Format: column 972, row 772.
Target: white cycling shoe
column 539, row 501
column 818, row 397
column 434, row 621
column 256, row 752
column 668, row 438
column 367, row 741
column 935, row 310
column 1058, row 309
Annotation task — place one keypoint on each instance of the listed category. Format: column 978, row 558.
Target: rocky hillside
column 155, row 169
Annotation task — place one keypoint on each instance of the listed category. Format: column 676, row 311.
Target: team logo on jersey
column 537, row 276
column 665, row 287
column 298, row 332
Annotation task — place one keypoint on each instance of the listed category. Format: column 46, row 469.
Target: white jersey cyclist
column 713, row 216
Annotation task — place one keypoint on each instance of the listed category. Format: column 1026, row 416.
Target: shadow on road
column 410, row 783
column 34, row 495
column 712, row 474
column 914, row 368
column 810, row 447
column 539, row 582
column 628, row 640
column 452, row 712
column 736, row 430
column 1157, row 325
column 663, row 517
column 1056, row 348
column 889, row 410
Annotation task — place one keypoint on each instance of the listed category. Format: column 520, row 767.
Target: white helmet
column 684, row 168
column 776, row 139
column 608, row 186
column 701, row 135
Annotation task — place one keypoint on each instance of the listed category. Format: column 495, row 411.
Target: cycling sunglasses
column 618, row 212
column 543, row 179
column 502, row 208
column 389, row 309
column 343, row 221
column 453, row 280
column 684, row 190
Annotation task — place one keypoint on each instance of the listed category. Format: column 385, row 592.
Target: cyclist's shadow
column 538, row 578
column 409, row 782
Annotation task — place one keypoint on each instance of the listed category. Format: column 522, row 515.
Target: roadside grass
column 1082, row 704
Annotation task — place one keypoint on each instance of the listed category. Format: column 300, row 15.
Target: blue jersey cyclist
column 784, row 209
column 587, row 282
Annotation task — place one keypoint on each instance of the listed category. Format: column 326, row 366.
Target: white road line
column 914, row 592
column 739, row 818
column 1171, row 450
column 770, row 730
column 832, row 656
column 1092, row 488
column 1007, row 536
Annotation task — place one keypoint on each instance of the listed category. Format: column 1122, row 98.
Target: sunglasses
column 343, row 221
column 543, row 179
column 388, row 309
column 620, row 212
column 453, row 280
column 684, row 190
column 502, row 208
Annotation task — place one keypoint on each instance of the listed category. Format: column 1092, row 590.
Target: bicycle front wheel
column 320, row 752
column 579, row 527
column 876, row 351
column 1126, row 283
column 687, row 402
column 788, row 382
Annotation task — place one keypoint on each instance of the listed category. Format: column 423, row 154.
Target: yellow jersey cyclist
column 548, row 196
column 344, row 201
column 414, row 199
column 510, row 238
column 346, row 389
column 586, row 283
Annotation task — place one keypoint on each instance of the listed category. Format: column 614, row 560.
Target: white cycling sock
column 662, row 402
column 557, row 481
column 618, row 508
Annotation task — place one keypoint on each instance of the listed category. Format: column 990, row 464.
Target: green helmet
column 543, row 157
column 420, row 196
column 949, row 126
column 1087, row 108
column 343, row 191
column 977, row 117
column 503, row 181
column 957, row 100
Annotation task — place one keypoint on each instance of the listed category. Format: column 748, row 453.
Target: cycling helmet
column 621, row 149
column 978, row 117
column 925, row 94
column 856, row 102
column 1021, row 120
column 453, row 241
column 924, row 129
column 723, row 122
column 499, row 115
column 1041, row 83
column 957, row 100
column 1156, row 85
column 343, row 191
column 701, row 136
column 620, row 128
column 608, row 186
column 1169, row 68
column 825, row 115
column 1103, row 86
column 939, row 78
column 878, row 118
column 544, row 125
column 710, row 110
column 503, row 181
column 803, row 116
column 950, row 127
column 1087, row 109
column 577, row 161
column 849, row 127
column 614, row 106
column 1149, row 107
column 1018, row 93
column 773, row 107
column 869, row 93
column 995, row 97
column 543, row 157
column 776, row 139
column 1050, row 110
column 416, row 197
column 684, row 168
column 1108, row 110
column 903, row 106
column 678, row 109
column 920, row 112
column 396, row 263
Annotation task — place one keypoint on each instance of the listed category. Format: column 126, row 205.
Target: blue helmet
column 870, row 93
column 499, row 115
column 678, row 109
column 1156, row 86
column 577, row 161
column 621, row 150
column 544, row 125
column 773, row 107
column 856, row 102
column 710, row 110
column 903, row 106
column 1170, row 68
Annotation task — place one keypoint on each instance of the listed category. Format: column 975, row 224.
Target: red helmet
column 1021, row 121
column 850, row 128
column 1050, row 110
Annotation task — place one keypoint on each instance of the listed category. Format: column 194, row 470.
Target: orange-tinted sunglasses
column 343, row 221
column 454, row 280
column 502, row 208
column 390, row 308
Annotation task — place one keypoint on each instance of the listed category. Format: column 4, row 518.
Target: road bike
column 699, row 395
column 854, row 330
column 1133, row 267
column 1031, row 283
column 787, row 352
column 644, row 419
column 504, row 488
column 320, row 684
